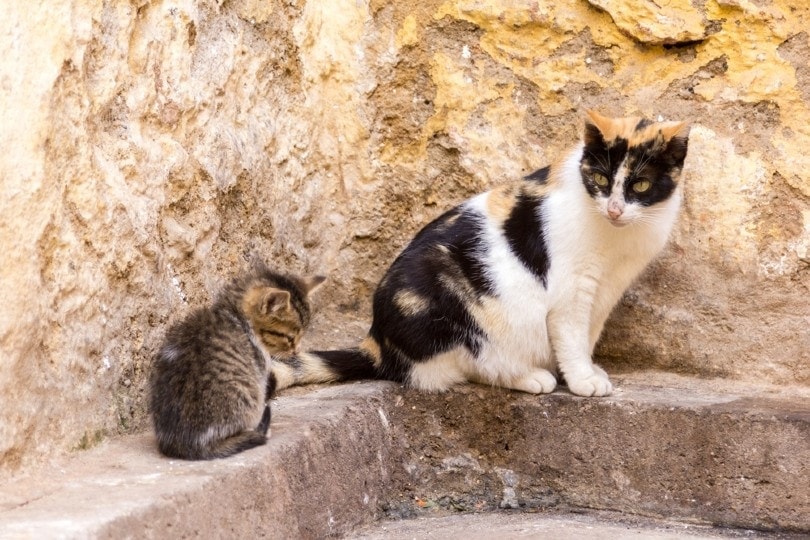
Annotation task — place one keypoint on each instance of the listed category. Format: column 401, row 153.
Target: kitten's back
column 210, row 378
column 204, row 388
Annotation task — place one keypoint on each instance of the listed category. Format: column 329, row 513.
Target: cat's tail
column 329, row 366
column 244, row 440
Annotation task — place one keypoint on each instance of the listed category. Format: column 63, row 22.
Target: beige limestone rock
column 151, row 148
column 656, row 23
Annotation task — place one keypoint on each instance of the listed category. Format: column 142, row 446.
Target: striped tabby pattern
column 211, row 378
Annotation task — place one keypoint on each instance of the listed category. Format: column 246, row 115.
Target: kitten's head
column 278, row 310
column 630, row 165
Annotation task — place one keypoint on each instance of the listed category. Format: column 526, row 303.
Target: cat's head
column 279, row 311
column 630, row 166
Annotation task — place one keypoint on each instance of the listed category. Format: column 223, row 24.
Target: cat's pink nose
column 615, row 209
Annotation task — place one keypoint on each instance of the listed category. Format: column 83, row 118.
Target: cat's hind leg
column 516, row 363
column 537, row 381
column 440, row 372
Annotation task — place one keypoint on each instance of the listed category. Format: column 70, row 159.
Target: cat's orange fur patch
column 614, row 128
column 500, row 202
column 502, row 199
column 410, row 303
column 370, row 345
column 487, row 316
column 313, row 370
column 459, row 286
column 625, row 128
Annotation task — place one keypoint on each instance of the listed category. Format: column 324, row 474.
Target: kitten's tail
column 244, row 440
column 329, row 366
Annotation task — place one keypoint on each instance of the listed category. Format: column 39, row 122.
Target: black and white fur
column 513, row 287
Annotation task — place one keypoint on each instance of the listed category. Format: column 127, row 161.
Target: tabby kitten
column 211, row 378
column 512, row 287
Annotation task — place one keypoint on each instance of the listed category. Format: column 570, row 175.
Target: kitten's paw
column 597, row 384
column 539, row 381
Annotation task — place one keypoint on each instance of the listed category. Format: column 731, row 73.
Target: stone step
column 341, row 457
column 566, row 526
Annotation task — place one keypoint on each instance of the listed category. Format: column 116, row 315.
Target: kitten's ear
column 274, row 300
column 312, row 283
column 597, row 128
column 676, row 137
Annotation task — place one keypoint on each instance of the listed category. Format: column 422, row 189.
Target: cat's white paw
column 540, row 381
column 600, row 371
column 596, row 384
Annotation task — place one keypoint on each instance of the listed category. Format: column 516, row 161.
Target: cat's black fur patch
column 457, row 231
column 643, row 123
column 523, row 230
column 540, row 175
column 657, row 165
column 270, row 385
column 396, row 365
column 602, row 157
column 444, row 266
column 616, row 153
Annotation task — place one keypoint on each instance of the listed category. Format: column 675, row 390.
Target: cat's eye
column 600, row 179
column 641, row 186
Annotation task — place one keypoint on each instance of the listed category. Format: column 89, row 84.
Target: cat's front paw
column 596, row 384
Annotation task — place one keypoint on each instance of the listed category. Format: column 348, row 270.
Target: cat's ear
column 273, row 301
column 598, row 128
column 673, row 130
column 312, row 283
column 676, row 138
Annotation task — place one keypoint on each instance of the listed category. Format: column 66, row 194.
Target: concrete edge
column 341, row 456
column 322, row 473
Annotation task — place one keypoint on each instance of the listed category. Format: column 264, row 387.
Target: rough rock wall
column 150, row 148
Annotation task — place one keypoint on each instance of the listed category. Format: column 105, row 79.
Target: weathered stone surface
column 560, row 526
column 652, row 23
column 665, row 447
column 151, row 147
column 342, row 456
column 305, row 483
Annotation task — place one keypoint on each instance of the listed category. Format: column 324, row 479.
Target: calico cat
column 211, row 378
column 512, row 287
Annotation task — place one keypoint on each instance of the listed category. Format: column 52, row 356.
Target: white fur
column 517, row 346
column 442, row 371
column 592, row 264
column 533, row 331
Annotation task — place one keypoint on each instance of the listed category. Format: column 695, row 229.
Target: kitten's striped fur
column 512, row 287
column 212, row 376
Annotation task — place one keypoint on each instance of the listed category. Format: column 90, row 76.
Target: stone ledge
column 559, row 526
column 304, row 483
column 661, row 446
column 340, row 457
